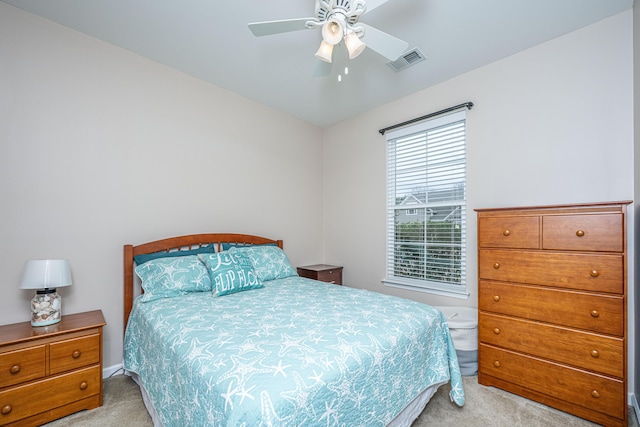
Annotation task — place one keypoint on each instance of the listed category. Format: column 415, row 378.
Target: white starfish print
column 228, row 395
column 330, row 413
column 301, row 396
column 245, row 393
column 280, row 369
column 317, row 378
column 243, row 369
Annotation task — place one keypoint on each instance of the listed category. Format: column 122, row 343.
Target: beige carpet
column 485, row 406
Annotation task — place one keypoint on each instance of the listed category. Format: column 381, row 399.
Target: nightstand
column 49, row 372
column 322, row 272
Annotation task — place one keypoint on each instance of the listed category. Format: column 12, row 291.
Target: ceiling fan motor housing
column 349, row 9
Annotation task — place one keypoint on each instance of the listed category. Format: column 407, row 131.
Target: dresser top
column 582, row 207
column 23, row 331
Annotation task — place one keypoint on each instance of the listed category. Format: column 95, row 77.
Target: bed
column 221, row 331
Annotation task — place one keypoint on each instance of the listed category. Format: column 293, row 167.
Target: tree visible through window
column 426, row 208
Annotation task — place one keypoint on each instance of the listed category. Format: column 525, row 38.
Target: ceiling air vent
column 407, row 59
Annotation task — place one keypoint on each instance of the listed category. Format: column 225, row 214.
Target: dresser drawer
column 598, row 313
column 582, row 349
column 22, row 365
column 591, row 272
column 74, row 353
column 600, row 233
column 509, row 232
column 27, row 400
column 596, row 392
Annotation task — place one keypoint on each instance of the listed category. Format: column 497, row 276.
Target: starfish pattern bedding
column 297, row 352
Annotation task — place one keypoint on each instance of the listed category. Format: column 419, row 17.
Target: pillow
column 142, row 258
column 172, row 276
column 227, row 246
column 230, row 273
column 269, row 262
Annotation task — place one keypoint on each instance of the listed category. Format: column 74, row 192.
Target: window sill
column 426, row 287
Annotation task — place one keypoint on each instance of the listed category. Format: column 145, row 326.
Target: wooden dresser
column 552, row 301
column 52, row 371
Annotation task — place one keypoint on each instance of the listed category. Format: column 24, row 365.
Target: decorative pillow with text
column 230, row 273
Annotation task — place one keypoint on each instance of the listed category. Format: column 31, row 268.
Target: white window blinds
column 426, row 206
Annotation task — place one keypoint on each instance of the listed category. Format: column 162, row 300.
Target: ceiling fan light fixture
column 355, row 46
column 339, row 21
column 325, row 52
column 333, row 30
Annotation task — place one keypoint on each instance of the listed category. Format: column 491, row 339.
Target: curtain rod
column 468, row 105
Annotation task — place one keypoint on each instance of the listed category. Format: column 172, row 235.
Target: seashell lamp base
column 45, row 308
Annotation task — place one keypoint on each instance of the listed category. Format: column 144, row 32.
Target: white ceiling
column 209, row 39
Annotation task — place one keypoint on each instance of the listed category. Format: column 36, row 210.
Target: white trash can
column 463, row 326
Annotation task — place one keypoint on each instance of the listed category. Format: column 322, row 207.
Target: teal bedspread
column 295, row 353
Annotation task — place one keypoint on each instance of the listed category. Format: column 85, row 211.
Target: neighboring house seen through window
column 426, row 206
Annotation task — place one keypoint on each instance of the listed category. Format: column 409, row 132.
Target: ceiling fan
column 339, row 20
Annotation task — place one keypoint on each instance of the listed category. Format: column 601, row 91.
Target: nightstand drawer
column 24, row 401
column 22, row 365
column 74, row 353
column 323, row 272
column 331, row 276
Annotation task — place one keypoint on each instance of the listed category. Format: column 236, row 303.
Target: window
column 426, row 206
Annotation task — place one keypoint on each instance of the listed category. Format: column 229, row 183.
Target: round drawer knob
column 595, row 313
column 595, row 353
column 6, row 409
column 496, row 331
column 83, row 385
column 594, row 273
column 594, row 393
column 496, row 265
column 506, row 233
column 496, row 298
column 496, row 363
column 14, row 369
column 76, row 354
column 580, row 233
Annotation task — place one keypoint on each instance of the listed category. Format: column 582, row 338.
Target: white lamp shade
column 46, row 274
column 355, row 46
column 333, row 31
column 325, row 52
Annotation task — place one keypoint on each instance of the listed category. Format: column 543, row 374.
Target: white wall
column 551, row 125
column 100, row 147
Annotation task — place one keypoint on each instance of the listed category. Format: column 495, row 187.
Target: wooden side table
column 322, row 272
column 50, row 372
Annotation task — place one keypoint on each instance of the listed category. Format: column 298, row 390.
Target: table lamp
column 46, row 275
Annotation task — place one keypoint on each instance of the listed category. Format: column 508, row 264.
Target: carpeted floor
column 485, row 406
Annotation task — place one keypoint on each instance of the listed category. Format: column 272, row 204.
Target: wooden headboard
column 170, row 244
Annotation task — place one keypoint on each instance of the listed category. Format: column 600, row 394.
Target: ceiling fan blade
column 283, row 26
column 321, row 69
column 383, row 43
column 372, row 4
